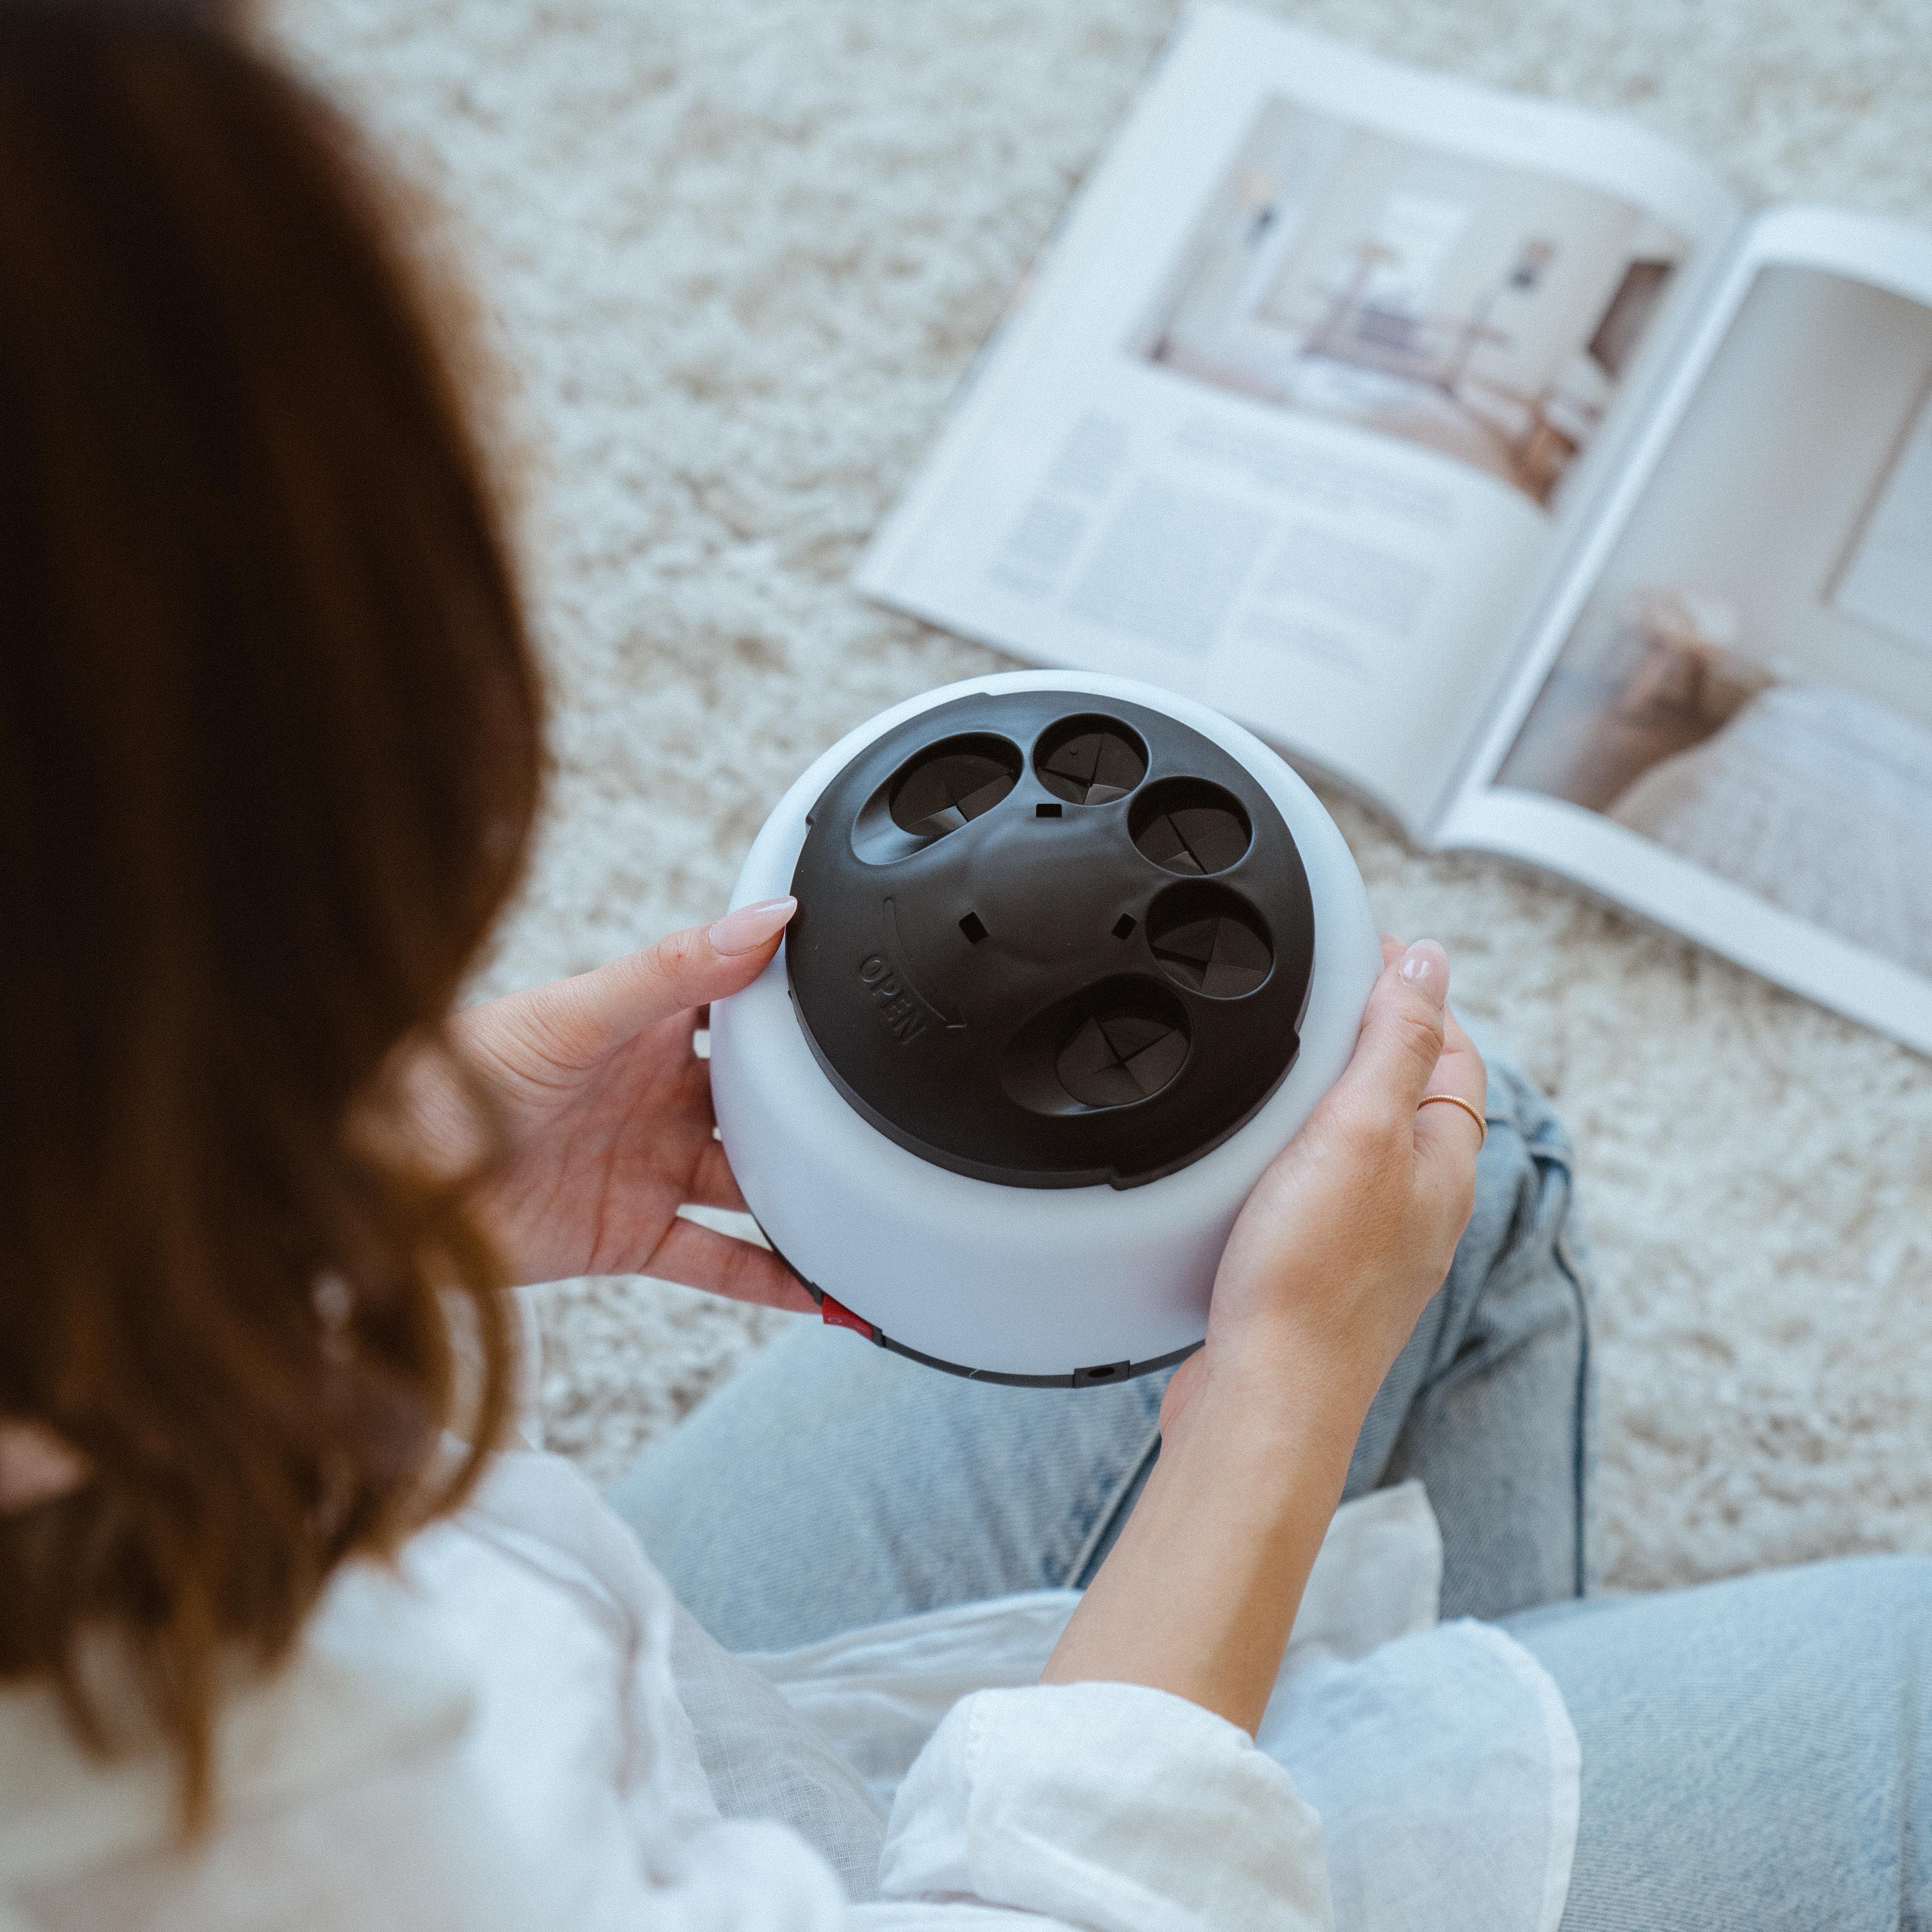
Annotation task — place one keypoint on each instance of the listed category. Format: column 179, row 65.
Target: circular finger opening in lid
column 1210, row 941
column 1090, row 761
column 1189, row 826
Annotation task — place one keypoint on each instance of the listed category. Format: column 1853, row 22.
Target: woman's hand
column 607, row 1111
column 1352, row 1229
column 1339, row 1249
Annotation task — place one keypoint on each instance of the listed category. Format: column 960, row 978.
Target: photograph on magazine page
column 1482, row 310
column 1749, row 682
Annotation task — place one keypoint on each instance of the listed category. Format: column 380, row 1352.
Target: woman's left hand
column 606, row 1110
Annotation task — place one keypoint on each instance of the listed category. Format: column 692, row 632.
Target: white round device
column 1073, row 959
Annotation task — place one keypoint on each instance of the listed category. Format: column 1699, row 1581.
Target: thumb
column 600, row 1010
column 1401, row 1039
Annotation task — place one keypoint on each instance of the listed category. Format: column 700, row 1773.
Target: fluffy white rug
column 737, row 252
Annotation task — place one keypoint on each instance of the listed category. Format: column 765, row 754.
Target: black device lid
column 1051, row 940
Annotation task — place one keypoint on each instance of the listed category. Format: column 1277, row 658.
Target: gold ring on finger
column 1457, row 1100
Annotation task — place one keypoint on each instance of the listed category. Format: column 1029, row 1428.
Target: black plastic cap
column 1049, row 942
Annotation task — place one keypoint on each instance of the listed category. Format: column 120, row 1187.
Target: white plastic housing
column 1024, row 1281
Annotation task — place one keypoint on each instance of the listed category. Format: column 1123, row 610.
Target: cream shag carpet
column 735, row 252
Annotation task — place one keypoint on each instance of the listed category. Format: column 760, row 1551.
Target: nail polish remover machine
column 1073, row 958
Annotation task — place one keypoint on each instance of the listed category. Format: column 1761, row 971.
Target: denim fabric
column 1491, row 1403
column 831, row 1484
column 1757, row 1754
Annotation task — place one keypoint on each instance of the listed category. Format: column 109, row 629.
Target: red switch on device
column 837, row 1315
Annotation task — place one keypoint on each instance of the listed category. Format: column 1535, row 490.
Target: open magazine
column 1487, row 455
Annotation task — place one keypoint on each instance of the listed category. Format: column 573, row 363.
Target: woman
column 277, row 1650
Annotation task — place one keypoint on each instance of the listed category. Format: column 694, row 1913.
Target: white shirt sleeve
column 1114, row 1806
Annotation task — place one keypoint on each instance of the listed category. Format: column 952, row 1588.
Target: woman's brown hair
column 269, row 754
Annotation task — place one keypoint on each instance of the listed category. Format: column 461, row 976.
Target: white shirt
column 520, row 1730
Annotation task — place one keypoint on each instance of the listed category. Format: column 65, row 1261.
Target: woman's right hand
column 1352, row 1229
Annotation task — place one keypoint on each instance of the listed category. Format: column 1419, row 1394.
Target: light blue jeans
column 1750, row 1751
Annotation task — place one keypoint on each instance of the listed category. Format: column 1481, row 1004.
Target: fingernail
column 1426, row 966
column 750, row 925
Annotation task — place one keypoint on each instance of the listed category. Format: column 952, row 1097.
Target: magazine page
column 1727, row 720
column 1294, row 402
